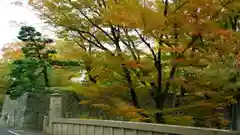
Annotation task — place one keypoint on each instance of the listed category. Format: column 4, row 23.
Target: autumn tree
column 12, row 51
column 152, row 49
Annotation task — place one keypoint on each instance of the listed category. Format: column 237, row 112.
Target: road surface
column 7, row 131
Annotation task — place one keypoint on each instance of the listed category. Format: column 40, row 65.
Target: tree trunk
column 45, row 76
column 160, row 101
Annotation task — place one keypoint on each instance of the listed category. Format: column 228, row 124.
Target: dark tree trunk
column 160, row 101
column 45, row 76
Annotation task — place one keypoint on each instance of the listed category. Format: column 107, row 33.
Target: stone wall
column 26, row 111
column 13, row 111
column 37, row 108
column 238, row 116
column 71, row 107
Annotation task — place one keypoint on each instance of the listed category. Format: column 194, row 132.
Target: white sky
column 11, row 15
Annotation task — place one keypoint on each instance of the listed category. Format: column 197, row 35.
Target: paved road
column 5, row 131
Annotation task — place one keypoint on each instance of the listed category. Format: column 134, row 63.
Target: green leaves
column 27, row 33
column 30, row 74
column 26, row 76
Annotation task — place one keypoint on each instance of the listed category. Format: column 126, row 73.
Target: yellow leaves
column 234, row 5
column 93, row 93
column 197, row 106
column 230, row 100
column 111, row 89
column 132, row 14
column 112, row 60
column 213, row 94
column 117, row 13
column 69, row 50
column 205, row 104
column 102, row 106
column 83, row 102
column 187, row 117
column 4, row 81
column 180, row 120
column 118, row 88
column 117, row 107
column 126, row 110
column 174, row 49
column 125, row 107
column 61, row 77
column 100, row 93
column 152, row 20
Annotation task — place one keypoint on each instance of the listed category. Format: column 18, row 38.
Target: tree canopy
column 174, row 62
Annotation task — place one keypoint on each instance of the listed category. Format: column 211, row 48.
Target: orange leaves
column 238, row 60
column 132, row 64
column 196, row 33
column 205, row 105
column 224, row 32
column 225, row 122
column 12, row 51
column 126, row 110
column 187, row 117
column 178, row 60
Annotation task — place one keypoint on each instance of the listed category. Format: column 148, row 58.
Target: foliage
column 138, row 53
column 4, row 83
column 29, row 72
column 12, row 51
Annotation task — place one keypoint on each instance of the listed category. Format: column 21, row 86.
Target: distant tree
column 30, row 73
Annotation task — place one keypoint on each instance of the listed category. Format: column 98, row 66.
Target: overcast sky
column 11, row 15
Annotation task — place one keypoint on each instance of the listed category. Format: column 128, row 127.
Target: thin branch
column 174, row 67
column 98, row 44
column 166, row 8
column 95, row 25
column 148, row 45
column 116, row 36
column 129, row 48
column 184, row 3
column 80, row 45
column 133, row 44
